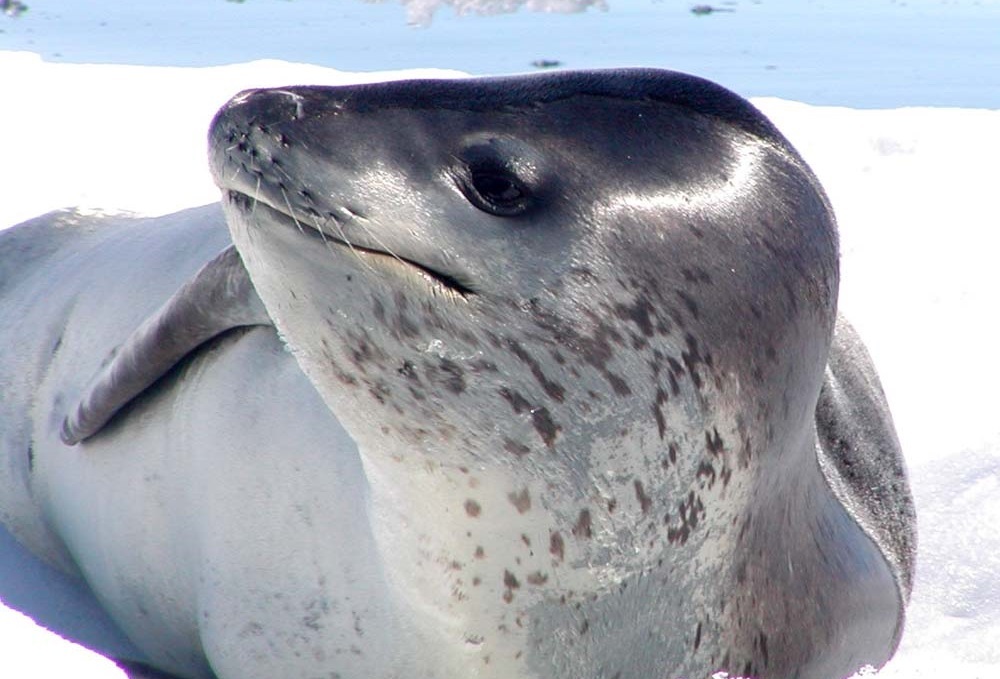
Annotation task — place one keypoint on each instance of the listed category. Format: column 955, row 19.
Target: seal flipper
column 860, row 455
column 218, row 298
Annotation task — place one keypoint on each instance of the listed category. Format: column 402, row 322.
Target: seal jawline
column 249, row 205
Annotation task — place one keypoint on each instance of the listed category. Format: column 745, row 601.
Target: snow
column 914, row 189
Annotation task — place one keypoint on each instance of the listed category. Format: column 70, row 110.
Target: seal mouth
column 449, row 283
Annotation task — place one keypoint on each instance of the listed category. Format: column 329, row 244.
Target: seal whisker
column 317, row 227
column 343, row 239
column 448, row 280
column 256, row 195
column 383, row 245
column 291, row 213
column 237, row 169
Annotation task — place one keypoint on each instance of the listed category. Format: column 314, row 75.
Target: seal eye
column 497, row 192
column 493, row 179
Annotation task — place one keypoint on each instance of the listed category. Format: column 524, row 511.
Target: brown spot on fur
column 521, row 500
column 517, row 402
column 661, row 423
column 544, row 425
column 511, row 583
column 537, row 578
column 713, row 442
column 557, row 547
column 582, row 528
column 515, row 448
column 706, row 472
column 640, row 494
column 450, row 374
column 472, row 508
column 554, row 390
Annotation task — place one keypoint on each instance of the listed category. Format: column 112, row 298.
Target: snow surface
column 915, row 192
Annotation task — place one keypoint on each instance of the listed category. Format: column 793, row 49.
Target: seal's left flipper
column 218, row 298
column 860, row 455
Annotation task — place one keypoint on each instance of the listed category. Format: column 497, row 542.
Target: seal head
column 578, row 325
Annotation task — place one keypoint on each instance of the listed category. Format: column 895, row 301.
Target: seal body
column 552, row 394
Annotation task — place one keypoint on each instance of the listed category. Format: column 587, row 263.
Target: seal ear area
column 499, row 176
column 219, row 298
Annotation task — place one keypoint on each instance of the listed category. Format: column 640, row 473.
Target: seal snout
column 250, row 136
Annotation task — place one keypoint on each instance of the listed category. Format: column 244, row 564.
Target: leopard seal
column 531, row 376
